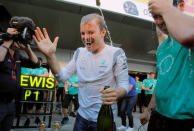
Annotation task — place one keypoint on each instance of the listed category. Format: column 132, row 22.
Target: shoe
column 37, row 120
column 122, row 127
column 65, row 120
column 72, row 114
column 129, row 129
column 27, row 122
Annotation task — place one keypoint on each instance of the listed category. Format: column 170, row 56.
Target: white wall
column 141, row 67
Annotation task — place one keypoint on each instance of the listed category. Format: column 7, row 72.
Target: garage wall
column 65, row 55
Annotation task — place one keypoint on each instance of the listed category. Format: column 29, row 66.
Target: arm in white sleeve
column 69, row 69
column 121, row 71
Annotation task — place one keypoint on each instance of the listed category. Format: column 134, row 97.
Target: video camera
column 24, row 25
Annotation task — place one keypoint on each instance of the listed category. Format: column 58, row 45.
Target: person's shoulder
column 81, row 49
column 145, row 80
column 133, row 80
column 109, row 47
column 116, row 51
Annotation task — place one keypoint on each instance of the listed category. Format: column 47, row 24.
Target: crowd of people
column 168, row 101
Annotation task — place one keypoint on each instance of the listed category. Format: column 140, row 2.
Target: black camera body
column 25, row 26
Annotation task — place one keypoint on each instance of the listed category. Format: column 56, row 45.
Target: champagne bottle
column 56, row 126
column 42, row 126
column 105, row 118
column 98, row 2
column 151, row 87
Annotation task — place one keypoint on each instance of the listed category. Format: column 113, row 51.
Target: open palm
column 45, row 45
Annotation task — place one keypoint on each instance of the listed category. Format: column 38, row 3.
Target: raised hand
column 158, row 7
column 45, row 45
column 12, row 31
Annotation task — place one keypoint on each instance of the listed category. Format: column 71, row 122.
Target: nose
column 87, row 38
column 157, row 21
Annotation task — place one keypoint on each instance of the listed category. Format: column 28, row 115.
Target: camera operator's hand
column 45, row 45
column 12, row 31
column 23, row 46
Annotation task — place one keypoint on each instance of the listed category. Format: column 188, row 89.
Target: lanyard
column 13, row 70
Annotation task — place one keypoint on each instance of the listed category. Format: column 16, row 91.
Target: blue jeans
column 82, row 124
column 127, row 106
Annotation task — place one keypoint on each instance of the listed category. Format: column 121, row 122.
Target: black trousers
column 159, row 122
column 7, row 114
column 148, row 98
column 60, row 92
column 68, row 98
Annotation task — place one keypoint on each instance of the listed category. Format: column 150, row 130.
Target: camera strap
column 14, row 69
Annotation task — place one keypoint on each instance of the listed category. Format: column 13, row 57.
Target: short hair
column 99, row 19
column 176, row 2
column 152, row 73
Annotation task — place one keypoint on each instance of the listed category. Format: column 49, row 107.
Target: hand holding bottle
column 150, row 89
column 109, row 96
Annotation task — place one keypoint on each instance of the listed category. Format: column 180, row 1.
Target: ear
column 181, row 6
column 103, row 32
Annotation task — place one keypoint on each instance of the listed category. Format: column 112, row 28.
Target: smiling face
column 159, row 21
column 152, row 76
column 92, row 36
column 136, row 78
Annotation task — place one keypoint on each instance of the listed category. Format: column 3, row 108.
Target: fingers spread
column 34, row 37
column 45, row 33
column 37, row 35
column 40, row 33
column 56, row 41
